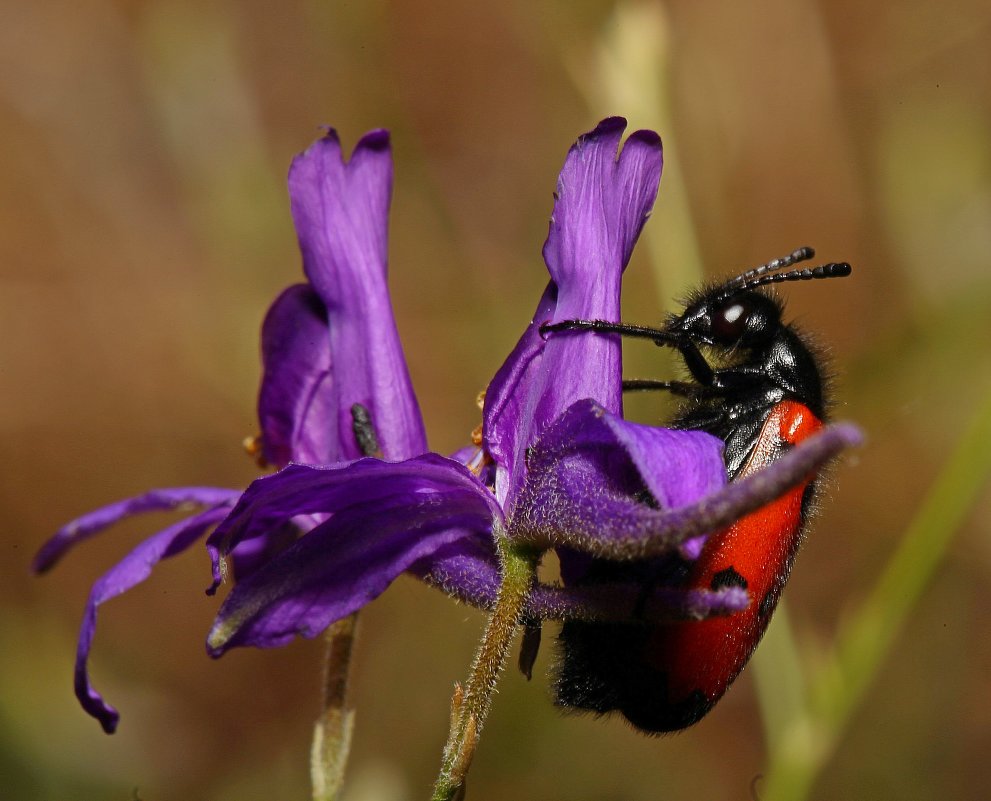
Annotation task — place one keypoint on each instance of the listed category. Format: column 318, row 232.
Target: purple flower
column 326, row 346
column 559, row 465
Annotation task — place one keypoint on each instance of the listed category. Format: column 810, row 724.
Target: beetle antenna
column 800, row 255
column 768, row 273
column 832, row 270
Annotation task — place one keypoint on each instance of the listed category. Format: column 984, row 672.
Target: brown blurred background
column 144, row 228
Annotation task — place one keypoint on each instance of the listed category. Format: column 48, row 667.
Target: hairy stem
column 471, row 704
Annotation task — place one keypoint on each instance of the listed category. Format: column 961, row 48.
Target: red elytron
column 755, row 553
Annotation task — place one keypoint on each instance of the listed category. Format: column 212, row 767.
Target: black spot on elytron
column 766, row 604
column 727, row 578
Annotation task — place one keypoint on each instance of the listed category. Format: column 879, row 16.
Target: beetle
column 757, row 384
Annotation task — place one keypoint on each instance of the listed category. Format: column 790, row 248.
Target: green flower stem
column 839, row 686
column 332, row 732
column 333, row 729
column 470, row 705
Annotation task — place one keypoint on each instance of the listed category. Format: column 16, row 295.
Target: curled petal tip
column 609, row 129
column 609, row 125
column 646, row 136
column 109, row 720
column 377, row 139
column 216, row 642
column 43, row 561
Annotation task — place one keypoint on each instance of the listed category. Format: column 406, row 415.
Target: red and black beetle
column 757, row 385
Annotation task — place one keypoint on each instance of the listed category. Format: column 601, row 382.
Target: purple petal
column 341, row 213
column 294, row 399
column 602, row 202
column 601, row 207
column 603, row 487
column 82, row 528
column 508, row 403
column 129, row 572
column 252, row 554
column 591, row 459
column 677, row 467
column 351, row 558
column 300, row 490
column 467, row 570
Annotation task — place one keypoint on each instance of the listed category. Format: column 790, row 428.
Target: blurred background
column 144, row 228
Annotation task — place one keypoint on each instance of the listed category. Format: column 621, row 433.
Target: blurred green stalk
column 802, row 744
column 631, row 78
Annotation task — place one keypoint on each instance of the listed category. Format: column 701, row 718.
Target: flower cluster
column 358, row 499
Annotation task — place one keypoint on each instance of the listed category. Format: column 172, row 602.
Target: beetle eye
column 729, row 323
